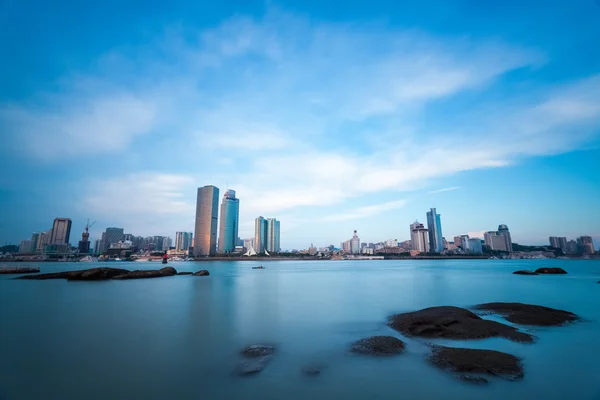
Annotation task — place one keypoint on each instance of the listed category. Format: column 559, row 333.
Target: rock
column 528, row 314
column 184, row 273
column 478, row 380
column 168, row 271
column 259, row 267
column 253, row 366
column 477, row 361
column 258, row 350
column 547, row 270
column 202, row 272
column 311, row 371
column 378, row 346
column 96, row 274
column 140, row 274
column 18, row 270
column 453, row 323
column 525, row 272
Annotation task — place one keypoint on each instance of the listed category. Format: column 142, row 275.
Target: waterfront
column 179, row 337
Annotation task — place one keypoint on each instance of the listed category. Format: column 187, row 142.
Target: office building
column 97, row 247
column 260, row 235
column 572, row 247
column 419, row 237
column 505, row 233
column 183, row 241
column 35, row 238
column 464, row 242
column 43, row 240
column 61, row 231
column 207, row 211
column 355, row 244
column 585, row 245
column 248, row 244
column 475, row 246
column 273, row 235
column 434, row 227
column 228, row 229
column 25, row 247
column 495, row 241
column 558, row 243
column 110, row 236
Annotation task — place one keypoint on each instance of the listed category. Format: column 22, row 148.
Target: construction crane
column 85, row 235
column 88, row 225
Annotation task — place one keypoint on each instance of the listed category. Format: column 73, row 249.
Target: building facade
column 228, row 228
column 505, row 233
column 207, row 211
column 434, row 227
column 183, row 241
column 585, row 245
column 495, row 241
column 355, row 244
column 61, row 231
column 109, row 236
column 558, row 243
column 273, row 235
column 419, row 237
column 475, row 246
column 260, row 235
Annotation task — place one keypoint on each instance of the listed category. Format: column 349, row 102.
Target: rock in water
column 525, row 272
column 18, row 270
column 477, row 361
column 168, row 271
column 185, row 273
column 96, row 274
column 202, row 272
column 311, row 371
column 258, row 350
column 528, row 314
column 378, row 346
column 477, row 380
column 453, row 323
column 547, row 270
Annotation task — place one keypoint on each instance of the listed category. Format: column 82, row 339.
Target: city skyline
column 350, row 120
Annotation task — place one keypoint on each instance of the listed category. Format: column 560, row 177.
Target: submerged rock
column 258, row 357
column 311, row 371
column 185, row 273
column 202, row 272
column 258, row 350
column 477, row 361
column 378, row 346
column 477, row 380
column 93, row 274
column 528, row 314
column 548, row 270
column 18, row 270
column 453, row 323
column 525, row 272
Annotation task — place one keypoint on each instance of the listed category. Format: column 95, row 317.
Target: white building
column 419, row 237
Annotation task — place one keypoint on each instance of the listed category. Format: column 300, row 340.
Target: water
column 179, row 337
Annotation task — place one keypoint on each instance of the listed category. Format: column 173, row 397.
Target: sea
column 180, row 337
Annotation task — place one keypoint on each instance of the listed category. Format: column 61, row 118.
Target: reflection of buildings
column 205, row 237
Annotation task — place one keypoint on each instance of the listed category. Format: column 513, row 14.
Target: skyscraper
column 61, row 230
column 228, row 228
column 273, row 235
column 183, row 241
column 585, row 245
column 504, row 232
column 419, row 237
column 355, row 244
column 475, row 246
column 434, row 226
column 559, row 243
column 260, row 235
column 110, row 236
column 495, row 241
column 207, row 211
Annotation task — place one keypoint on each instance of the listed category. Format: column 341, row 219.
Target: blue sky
column 330, row 119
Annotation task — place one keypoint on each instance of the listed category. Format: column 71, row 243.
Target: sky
column 328, row 116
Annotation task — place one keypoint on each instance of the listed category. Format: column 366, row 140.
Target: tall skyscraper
column 260, row 235
column 183, row 241
column 434, row 226
column 207, row 211
column 61, row 231
column 228, row 228
column 273, row 235
column 419, row 237
column 355, row 244
column 43, row 240
column 585, row 245
column 504, row 232
column 97, row 246
column 110, row 236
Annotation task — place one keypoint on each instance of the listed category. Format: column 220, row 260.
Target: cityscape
column 214, row 237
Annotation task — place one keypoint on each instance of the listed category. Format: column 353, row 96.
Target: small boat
column 259, row 267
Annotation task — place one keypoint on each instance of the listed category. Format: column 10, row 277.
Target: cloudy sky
column 330, row 119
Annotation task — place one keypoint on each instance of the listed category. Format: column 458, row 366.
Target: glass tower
column 207, row 211
column 228, row 229
column 434, row 226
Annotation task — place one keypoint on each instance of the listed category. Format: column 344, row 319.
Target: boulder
column 476, row 361
column 258, row 350
column 184, row 273
column 18, row 270
column 378, row 346
column 548, row 270
column 96, row 274
column 528, row 314
column 453, row 323
column 525, row 272
column 257, row 357
column 168, row 271
column 140, row 274
column 202, row 272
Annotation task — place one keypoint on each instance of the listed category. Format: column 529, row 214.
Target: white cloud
column 367, row 211
column 448, row 189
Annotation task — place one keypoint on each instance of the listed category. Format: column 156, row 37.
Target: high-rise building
column 475, row 246
column 110, row 236
column 35, row 238
column 183, row 241
column 97, row 247
column 434, row 227
column 585, row 245
column 505, row 233
column 207, row 211
column 273, row 235
column 464, row 242
column 355, row 244
column 419, row 237
column 347, row 246
column 558, row 243
column 248, row 243
column 228, row 228
column 572, row 247
column 495, row 241
column 25, row 247
column 260, row 235
column 61, row 231
column 43, row 240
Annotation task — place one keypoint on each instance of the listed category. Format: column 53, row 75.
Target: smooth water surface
column 179, row 337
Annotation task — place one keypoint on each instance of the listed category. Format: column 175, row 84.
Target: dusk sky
column 329, row 116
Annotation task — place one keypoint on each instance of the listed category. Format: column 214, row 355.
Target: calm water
column 179, row 337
